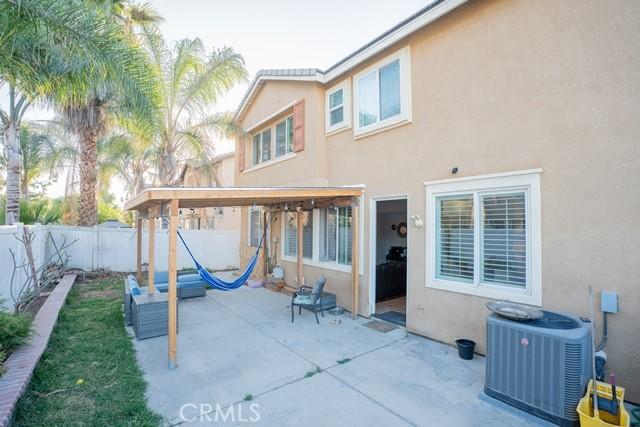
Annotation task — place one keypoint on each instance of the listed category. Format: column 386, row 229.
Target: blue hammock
column 218, row 283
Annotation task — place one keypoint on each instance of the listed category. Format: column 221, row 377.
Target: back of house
column 499, row 145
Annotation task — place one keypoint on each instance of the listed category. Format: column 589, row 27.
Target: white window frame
column 404, row 57
column 345, row 87
column 527, row 181
column 314, row 217
column 315, row 261
column 249, row 211
column 274, row 158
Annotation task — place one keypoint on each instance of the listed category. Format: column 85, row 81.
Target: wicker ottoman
column 149, row 314
column 327, row 301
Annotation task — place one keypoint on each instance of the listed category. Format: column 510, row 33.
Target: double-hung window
column 284, row 136
column 484, row 236
column 273, row 142
column 338, row 107
column 262, row 146
column 383, row 94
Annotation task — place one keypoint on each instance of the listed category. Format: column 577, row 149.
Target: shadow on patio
column 242, row 343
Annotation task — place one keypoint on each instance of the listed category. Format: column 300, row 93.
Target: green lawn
column 88, row 375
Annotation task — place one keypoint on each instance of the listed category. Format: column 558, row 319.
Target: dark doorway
column 391, row 260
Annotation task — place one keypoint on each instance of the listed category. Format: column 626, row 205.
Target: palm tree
column 43, row 155
column 191, row 81
column 124, row 91
column 127, row 157
column 51, row 48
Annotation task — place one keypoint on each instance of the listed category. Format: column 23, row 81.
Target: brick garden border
column 20, row 365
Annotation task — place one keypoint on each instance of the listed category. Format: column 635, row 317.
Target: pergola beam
column 139, row 248
column 173, row 288
column 300, row 244
column 355, row 257
column 152, row 253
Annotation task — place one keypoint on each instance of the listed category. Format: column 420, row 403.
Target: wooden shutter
column 298, row 126
column 240, row 153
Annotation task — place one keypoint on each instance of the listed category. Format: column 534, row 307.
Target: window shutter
column 298, row 126
column 504, row 239
column 455, row 235
column 240, row 153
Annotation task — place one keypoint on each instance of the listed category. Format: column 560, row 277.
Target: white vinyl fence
column 113, row 249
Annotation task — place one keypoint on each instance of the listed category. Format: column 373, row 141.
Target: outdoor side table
column 150, row 315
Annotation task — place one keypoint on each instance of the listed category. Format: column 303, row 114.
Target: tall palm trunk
column 14, row 169
column 88, row 210
column 166, row 169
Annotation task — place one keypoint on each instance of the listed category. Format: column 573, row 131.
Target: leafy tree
column 125, row 91
column 73, row 55
column 43, row 156
column 191, row 81
column 38, row 209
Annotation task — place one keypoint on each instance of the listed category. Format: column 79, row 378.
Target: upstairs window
column 284, row 137
column 337, row 111
column 383, row 95
column 266, row 147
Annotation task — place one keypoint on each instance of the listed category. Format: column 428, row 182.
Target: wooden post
column 173, row 289
column 300, row 241
column 265, row 263
column 152, row 253
column 139, row 248
column 355, row 258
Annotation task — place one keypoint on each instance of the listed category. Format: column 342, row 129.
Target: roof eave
column 405, row 28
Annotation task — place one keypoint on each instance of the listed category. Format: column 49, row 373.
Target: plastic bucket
column 465, row 348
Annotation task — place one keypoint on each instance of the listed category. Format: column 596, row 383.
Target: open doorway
column 390, row 291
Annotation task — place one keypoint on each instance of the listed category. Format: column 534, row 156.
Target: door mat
column 393, row 317
column 380, row 326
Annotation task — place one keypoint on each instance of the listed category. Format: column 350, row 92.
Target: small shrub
column 248, row 397
column 14, row 330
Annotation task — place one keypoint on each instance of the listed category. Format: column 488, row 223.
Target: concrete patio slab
column 240, row 343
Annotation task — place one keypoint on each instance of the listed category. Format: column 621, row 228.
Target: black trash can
column 465, row 348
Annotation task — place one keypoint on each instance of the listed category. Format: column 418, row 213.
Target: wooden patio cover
column 167, row 202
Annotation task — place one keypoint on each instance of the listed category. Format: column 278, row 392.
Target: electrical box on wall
column 609, row 302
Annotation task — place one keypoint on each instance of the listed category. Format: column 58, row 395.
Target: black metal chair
column 309, row 299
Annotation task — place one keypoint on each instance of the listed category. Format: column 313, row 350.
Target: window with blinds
column 328, row 234
column 344, row 236
column 291, row 235
column 255, row 227
column 455, row 238
column 503, row 250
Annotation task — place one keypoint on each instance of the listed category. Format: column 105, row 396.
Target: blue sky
column 282, row 33
column 271, row 34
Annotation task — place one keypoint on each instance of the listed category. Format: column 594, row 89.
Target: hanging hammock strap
column 218, row 283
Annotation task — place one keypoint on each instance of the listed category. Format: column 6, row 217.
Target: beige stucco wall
column 503, row 86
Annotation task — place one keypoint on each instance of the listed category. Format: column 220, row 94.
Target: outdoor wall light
column 417, row 221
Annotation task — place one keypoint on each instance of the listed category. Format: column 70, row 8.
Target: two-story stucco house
column 498, row 142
